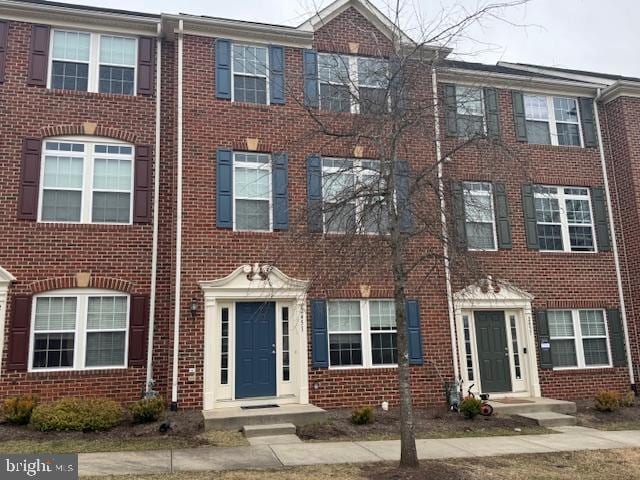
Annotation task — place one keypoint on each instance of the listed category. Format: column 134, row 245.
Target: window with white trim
column 362, row 333
column 552, row 120
column 252, row 192
column 480, row 222
column 250, row 80
column 86, row 182
column 348, row 83
column 77, row 331
column 564, row 218
column 470, row 112
column 93, row 62
column 353, row 196
column 579, row 338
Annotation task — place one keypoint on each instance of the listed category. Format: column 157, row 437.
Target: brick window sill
column 74, row 227
column 43, row 375
column 52, row 92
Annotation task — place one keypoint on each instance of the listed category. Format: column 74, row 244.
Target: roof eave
column 621, row 88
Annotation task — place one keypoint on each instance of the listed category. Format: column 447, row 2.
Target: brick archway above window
column 81, row 280
column 88, row 128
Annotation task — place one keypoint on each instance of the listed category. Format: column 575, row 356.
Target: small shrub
column 147, row 410
column 17, row 410
column 79, row 414
column 607, row 401
column 470, row 407
column 362, row 416
column 628, row 399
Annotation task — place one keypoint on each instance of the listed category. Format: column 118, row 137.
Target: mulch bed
column 427, row 422
column 184, row 424
column 588, row 416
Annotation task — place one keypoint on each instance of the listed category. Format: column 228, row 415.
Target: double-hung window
column 470, row 112
column 79, row 331
column 353, row 84
column 362, row 333
column 579, row 338
column 86, row 182
column 354, row 196
column 480, row 225
column 564, row 218
column 552, row 120
column 93, row 62
column 250, row 79
column 252, row 191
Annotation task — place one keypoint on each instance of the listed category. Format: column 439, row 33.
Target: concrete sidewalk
column 275, row 456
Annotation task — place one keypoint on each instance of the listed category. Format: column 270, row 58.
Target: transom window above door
column 93, row 62
column 564, row 218
column 86, row 182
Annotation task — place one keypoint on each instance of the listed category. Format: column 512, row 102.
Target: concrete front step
column 549, row 419
column 234, row 418
column 532, row 405
column 269, row 430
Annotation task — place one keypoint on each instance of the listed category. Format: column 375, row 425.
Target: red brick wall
column 32, row 251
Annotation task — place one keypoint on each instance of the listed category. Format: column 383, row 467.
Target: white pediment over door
column 6, row 277
column 489, row 292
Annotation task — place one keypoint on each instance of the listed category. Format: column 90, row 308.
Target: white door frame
column 255, row 283
column 513, row 301
column 5, row 280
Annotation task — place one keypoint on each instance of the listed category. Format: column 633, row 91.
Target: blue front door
column 255, row 349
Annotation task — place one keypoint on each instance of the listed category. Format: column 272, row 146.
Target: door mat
column 512, row 400
column 255, row 407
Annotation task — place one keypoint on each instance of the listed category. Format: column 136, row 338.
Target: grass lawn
column 590, row 465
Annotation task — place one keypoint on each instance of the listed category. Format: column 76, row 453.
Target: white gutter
column 614, row 242
column 177, row 299
column 443, row 221
column 156, row 215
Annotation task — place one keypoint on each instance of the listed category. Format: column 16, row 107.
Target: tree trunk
column 408, row 452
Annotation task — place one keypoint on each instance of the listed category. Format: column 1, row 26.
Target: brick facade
column 46, row 257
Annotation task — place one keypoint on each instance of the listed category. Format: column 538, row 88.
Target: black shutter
column 4, row 39
column 314, row 194
column 530, row 220
column 223, row 68
column 319, row 334
column 616, row 338
column 503, row 224
column 280, row 191
column 451, row 110
column 414, row 334
column 310, row 78
column 138, row 321
column 18, row 355
column 39, row 55
column 29, row 179
column 146, row 63
column 588, row 122
column 459, row 218
column 492, row 112
column 601, row 219
column 224, row 188
column 142, row 194
column 276, row 74
column 519, row 116
column 544, row 341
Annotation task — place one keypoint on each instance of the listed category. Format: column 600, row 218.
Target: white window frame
column 364, row 332
column 81, row 330
column 564, row 222
column 88, row 157
column 482, row 105
column 578, row 340
column 267, row 168
column 266, row 76
column 551, row 119
column 352, row 82
column 93, row 82
column 466, row 191
column 359, row 173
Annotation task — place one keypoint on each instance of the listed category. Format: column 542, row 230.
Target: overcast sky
column 583, row 34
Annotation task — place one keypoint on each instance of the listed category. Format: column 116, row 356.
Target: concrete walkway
column 295, row 454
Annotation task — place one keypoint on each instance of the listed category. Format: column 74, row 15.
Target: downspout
column 156, row 215
column 614, row 241
column 443, row 221
column 177, row 296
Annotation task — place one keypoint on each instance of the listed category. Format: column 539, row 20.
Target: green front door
column 493, row 352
